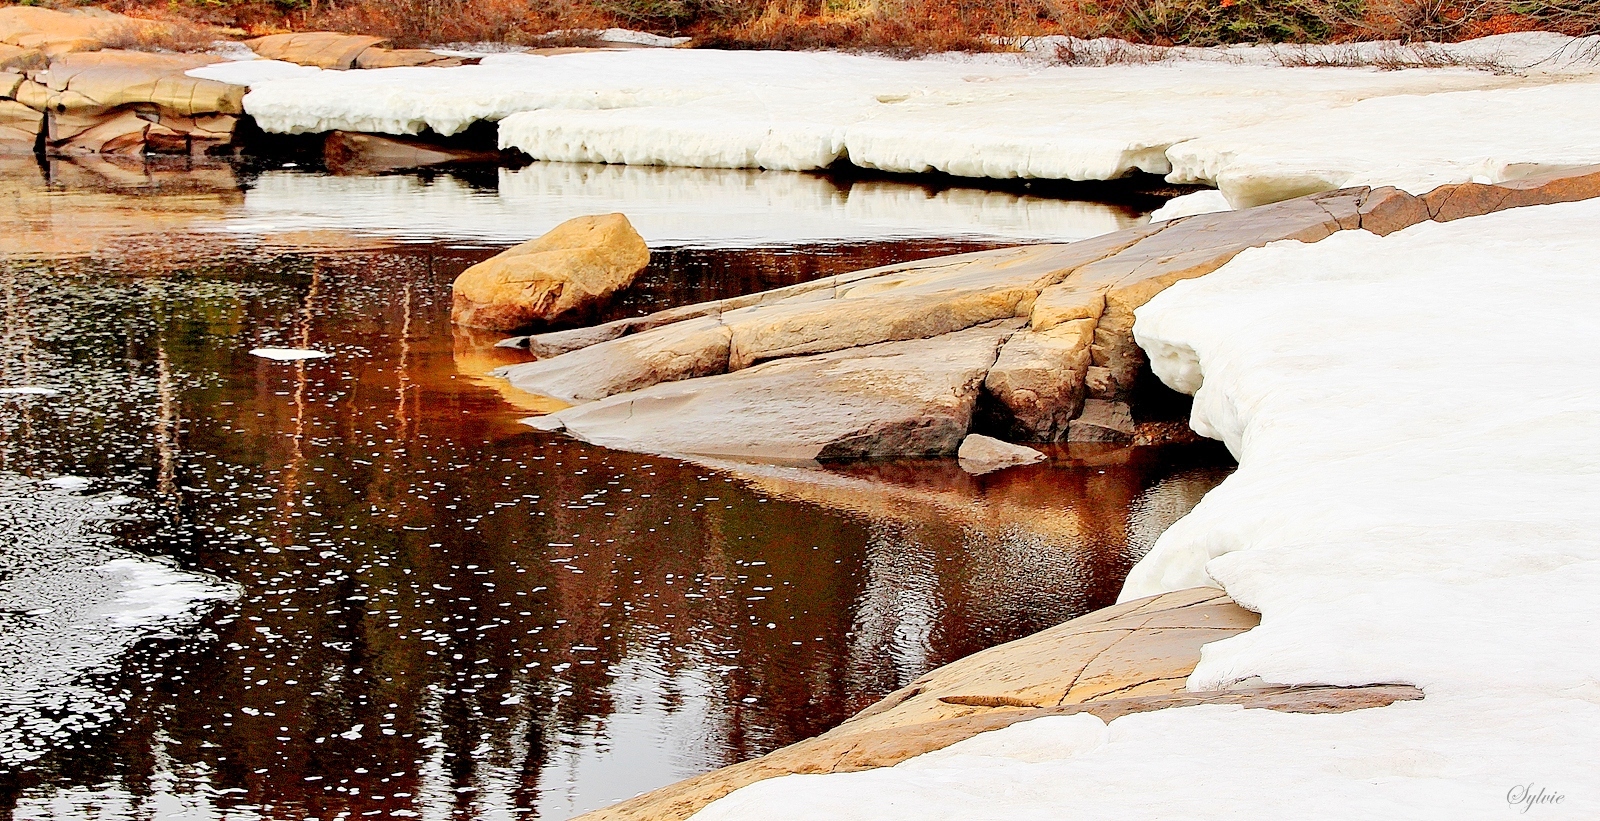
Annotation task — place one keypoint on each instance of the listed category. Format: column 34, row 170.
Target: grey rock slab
column 907, row 398
column 682, row 350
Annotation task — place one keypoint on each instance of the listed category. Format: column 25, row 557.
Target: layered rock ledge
column 1031, row 343
column 1122, row 660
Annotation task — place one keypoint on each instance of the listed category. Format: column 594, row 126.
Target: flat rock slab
column 892, row 399
column 333, row 50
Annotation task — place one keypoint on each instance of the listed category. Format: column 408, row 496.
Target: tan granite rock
column 567, row 271
column 1192, row 247
column 1387, row 210
column 377, row 57
column 1103, row 420
column 321, row 49
column 1453, row 202
column 984, row 454
column 19, row 127
column 52, row 33
column 130, row 102
column 909, row 398
column 1130, row 658
column 1039, row 380
column 17, row 58
column 330, row 49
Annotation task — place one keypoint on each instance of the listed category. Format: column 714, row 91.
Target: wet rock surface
column 1069, row 371
column 891, row 399
column 984, row 454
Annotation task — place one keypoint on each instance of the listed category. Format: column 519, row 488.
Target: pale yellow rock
column 55, row 32
column 934, row 298
column 571, row 269
column 322, row 49
column 987, row 690
column 19, row 127
column 377, row 57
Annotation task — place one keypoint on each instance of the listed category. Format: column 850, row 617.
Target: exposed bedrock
column 908, row 398
column 121, row 102
column 569, row 270
column 1131, row 658
column 329, row 49
column 760, row 376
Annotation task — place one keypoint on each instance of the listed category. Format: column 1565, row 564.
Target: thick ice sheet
column 669, row 206
column 1237, row 118
column 1418, row 432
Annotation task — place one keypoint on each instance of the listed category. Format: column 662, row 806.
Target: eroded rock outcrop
column 333, row 50
column 567, row 271
column 117, row 102
column 1131, row 658
column 1069, row 369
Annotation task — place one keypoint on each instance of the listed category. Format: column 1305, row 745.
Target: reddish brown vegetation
column 893, row 26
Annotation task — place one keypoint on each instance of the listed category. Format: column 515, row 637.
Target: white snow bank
column 1412, row 142
column 992, row 116
column 1419, row 442
column 253, row 72
column 669, row 206
column 1188, row 205
column 288, row 354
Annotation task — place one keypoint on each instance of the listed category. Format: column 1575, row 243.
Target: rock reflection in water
column 443, row 613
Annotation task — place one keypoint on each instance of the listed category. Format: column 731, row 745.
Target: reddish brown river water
column 356, row 586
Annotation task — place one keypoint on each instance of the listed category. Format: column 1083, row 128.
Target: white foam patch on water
column 1227, row 118
column 288, row 354
column 1418, row 434
column 29, row 390
column 71, row 606
column 668, row 206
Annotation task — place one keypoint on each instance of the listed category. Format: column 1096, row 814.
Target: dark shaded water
column 435, row 611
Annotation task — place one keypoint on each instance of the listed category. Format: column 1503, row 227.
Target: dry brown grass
column 162, row 35
column 905, row 27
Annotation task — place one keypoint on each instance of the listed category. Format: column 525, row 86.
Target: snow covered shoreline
column 1413, row 505
column 1232, row 118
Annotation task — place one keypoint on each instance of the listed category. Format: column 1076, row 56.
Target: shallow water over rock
column 379, row 594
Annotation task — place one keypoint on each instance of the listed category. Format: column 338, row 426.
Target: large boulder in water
column 563, row 273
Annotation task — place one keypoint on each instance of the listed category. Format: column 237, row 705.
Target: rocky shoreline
column 1032, row 344
column 662, row 383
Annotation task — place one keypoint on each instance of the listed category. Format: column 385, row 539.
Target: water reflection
column 715, row 207
column 124, row 205
column 441, row 613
